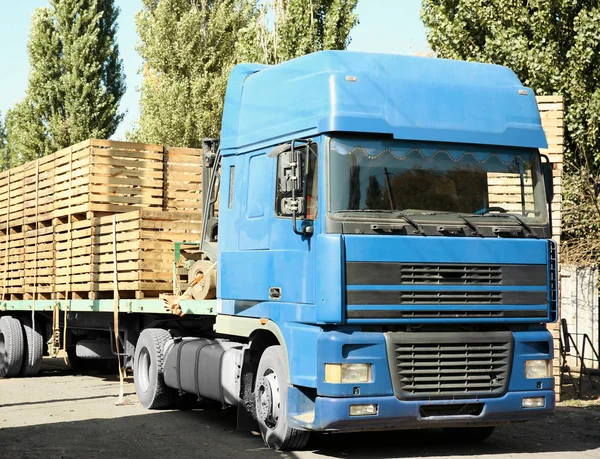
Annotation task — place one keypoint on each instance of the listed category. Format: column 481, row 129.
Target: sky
column 386, row 26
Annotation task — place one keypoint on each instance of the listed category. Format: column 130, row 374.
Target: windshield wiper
column 469, row 223
column 517, row 218
column 414, row 224
column 399, row 213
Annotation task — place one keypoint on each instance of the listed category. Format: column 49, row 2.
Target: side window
column 307, row 189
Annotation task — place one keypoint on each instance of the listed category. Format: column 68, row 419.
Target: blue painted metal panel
column 417, row 249
column 301, row 341
column 257, row 191
column 333, row 414
column 347, row 346
column 233, row 102
column 247, row 275
column 411, row 98
column 526, row 346
column 330, row 293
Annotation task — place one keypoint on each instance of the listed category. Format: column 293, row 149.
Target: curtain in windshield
column 403, row 175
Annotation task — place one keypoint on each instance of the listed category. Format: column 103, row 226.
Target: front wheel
column 468, row 435
column 270, row 395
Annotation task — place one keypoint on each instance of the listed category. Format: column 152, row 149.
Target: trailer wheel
column 468, row 435
column 148, row 376
column 33, row 348
column 270, row 392
column 11, row 347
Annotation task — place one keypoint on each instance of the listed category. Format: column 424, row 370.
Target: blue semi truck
column 380, row 255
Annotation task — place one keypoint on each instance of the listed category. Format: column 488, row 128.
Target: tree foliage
column 554, row 47
column 75, row 81
column 186, row 46
column 5, row 162
column 190, row 46
column 305, row 26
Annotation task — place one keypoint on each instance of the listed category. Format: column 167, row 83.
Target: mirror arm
column 295, row 171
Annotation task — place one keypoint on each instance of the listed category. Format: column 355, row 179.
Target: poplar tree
column 75, row 82
column 306, row 26
column 190, row 46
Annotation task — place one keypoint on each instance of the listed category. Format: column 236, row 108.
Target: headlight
column 347, row 373
column 536, row 369
column 533, row 402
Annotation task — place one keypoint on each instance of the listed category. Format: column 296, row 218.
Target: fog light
column 533, row 402
column 347, row 373
column 363, row 410
column 536, row 369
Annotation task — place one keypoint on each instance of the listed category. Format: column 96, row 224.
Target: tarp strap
column 116, row 311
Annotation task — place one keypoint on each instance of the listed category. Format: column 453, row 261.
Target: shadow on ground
column 211, row 432
column 569, row 433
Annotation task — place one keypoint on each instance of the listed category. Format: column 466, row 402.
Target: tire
column 33, row 348
column 94, row 349
column 148, row 376
column 90, row 365
column 468, row 435
column 11, row 347
column 270, row 395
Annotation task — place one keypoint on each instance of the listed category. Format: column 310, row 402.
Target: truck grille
column 450, row 274
column 553, row 280
column 391, row 273
column 442, row 365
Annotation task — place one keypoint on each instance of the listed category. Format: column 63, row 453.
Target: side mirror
column 293, row 167
column 548, row 181
column 290, row 165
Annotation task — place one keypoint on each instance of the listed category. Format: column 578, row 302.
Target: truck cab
column 384, row 246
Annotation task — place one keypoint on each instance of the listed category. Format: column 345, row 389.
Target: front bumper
column 333, row 414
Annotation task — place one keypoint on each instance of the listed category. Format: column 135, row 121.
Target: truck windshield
column 374, row 178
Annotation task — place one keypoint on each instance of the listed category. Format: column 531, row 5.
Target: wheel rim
column 143, row 370
column 268, row 398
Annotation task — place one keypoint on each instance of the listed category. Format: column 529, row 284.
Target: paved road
column 63, row 415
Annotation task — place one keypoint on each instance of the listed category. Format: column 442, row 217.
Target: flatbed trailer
column 126, row 306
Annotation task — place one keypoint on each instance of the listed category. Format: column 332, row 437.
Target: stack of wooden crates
column 63, row 216
column 552, row 115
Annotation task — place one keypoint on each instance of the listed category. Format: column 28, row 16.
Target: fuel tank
column 204, row 367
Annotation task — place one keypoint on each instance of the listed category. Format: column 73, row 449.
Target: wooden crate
column 504, row 190
column 101, row 176
column 39, row 261
column 552, row 116
column 145, row 250
column 12, row 269
column 11, row 196
column 75, row 258
column 73, row 241
column 184, row 180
